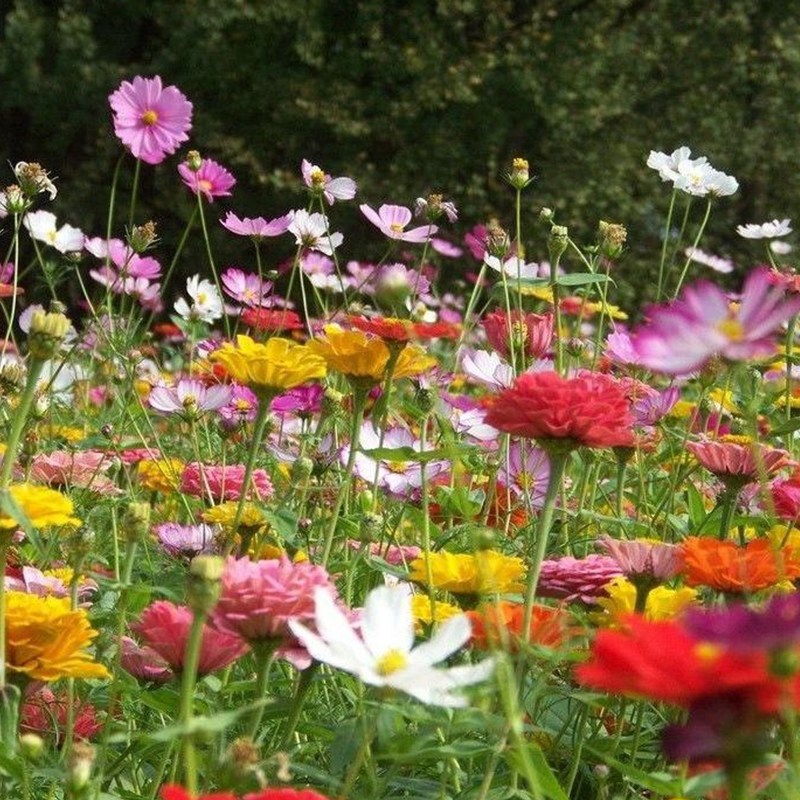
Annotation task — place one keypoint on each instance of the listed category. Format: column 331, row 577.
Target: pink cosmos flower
column 223, row 483
column 186, row 541
column 164, row 627
column 241, row 408
column 211, row 180
column 245, row 287
column 637, row 558
column 256, row 227
column 188, row 397
column 392, row 221
column 681, row 337
column 259, row 598
column 620, row 349
column 302, row 401
column 582, row 579
column 331, row 188
column 526, row 470
column 150, row 120
column 33, row 581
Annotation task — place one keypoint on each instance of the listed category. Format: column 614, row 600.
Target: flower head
column 530, row 334
column 383, row 653
column 46, row 639
column 581, row 579
column 189, row 397
column 744, row 462
column 681, row 337
column 648, row 559
column 40, row 505
column 332, row 189
column 256, row 227
column 185, row 541
column 392, row 221
column 206, row 301
column 42, row 226
column 484, row 572
column 211, row 179
column 312, row 231
column 500, row 625
column 767, row 230
column 661, row 603
column 150, row 120
column 245, row 287
column 223, row 482
column 589, row 410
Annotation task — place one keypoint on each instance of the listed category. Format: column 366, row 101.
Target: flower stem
column 263, row 652
column 558, row 463
column 697, row 238
column 211, row 262
column 298, row 702
column 664, row 245
column 189, row 678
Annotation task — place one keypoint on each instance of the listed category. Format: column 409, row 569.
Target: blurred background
column 418, row 96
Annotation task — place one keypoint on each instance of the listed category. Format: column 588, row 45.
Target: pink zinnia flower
column 588, row 410
column 143, row 662
column 681, row 337
column 741, row 462
column 638, row 558
column 582, row 579
column 331, row 188
column 45, row 713
column 256, row 227
column 151, row 121
column 164, row 627
column 212, row 179
column 259, row 598
column 223, row 483
column 786, row 497
column 82, row 469
column 392, row 221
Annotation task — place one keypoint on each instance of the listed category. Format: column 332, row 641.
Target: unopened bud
column 81, row 761
column 302, row 469
column 12, row 378
column 611, row 238
column 425, row 399
column 205, row 574
column 484, row 538
column 371, row 527
column 31, row 746
column 15, row 201
column 546, row 214
column 520, row 175
column 47, row 332
column 135, row 521
column 194, row 160
column 557, row 242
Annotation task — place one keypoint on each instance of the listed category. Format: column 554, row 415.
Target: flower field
column 444, row 524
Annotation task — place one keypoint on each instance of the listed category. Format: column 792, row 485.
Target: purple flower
column 332, row 189
column 744, row 629
column 303, row 401
column 256, row 227
column 189, row 397
column 392, row 221
column 245, row 287
column 242, row 406
column 212, row 179
column 681, row 337
column 526, row 471
column 650, row 408
column 577, row 578
column 151, row 121
column 619, row 347
column 186, row 541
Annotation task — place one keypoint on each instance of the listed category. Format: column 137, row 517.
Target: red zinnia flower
column 532, row 332
column 589, row 410
column 286, row 794
column 268, row 319
column 179, row 793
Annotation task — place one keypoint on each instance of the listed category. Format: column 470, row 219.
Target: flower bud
column 371, row 527
column 15, row 201
column 81, row 761
column 31, row 746
column 47, row 332
column 611, row 238
column 497, row 241
column 557, row 242
column 520, row 175
column 205, row 574
column 12, row 378
column 547, row 214
column 425, row 399
column 194, row 160
column 302, row 469
column 142, row 237
column 483, row 538
column 135, row 522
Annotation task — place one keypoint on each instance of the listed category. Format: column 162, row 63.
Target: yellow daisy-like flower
column 413, row 360
column 46, row 640
column 225, row 513
column 424, row 615
column 484, row 572
column 721, row 400
column 41, row 505
column 539, row 292
column 68, row 433
column 160, row 474
column 662, row 604
column 615, row 312
column 272, row 366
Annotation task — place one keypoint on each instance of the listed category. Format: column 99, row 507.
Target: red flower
column 390, row 329
column 589, row 410
column 45, row 713
column 532, row 332
column 268, row 319
column 179, row 793
column 660, row 661
column 285, row 794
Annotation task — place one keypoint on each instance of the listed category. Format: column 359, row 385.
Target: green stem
column 134, row 192
column 263, row 652
column 211, row 262
column 789, row 347
column 298, row 702
column 728, row 509
column 558, row 463
column 697, row 238
column 189, row 677
column 664, row 244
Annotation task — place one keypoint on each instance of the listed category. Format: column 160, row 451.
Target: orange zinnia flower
column 727, row 567
column 499, row 625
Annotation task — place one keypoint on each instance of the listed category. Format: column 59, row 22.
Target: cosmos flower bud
column 371, row 527
column 31, row 746
column 302, row 469
column 193, row 160
column 546, row 214
column 47, row 331
column 15, row 201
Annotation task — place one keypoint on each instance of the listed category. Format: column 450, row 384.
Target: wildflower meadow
column 442, row 523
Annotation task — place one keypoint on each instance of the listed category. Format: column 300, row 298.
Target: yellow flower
column 485, row 572
column 41, row 505
column 224, row 514
column 662, row 604
column 68, row 433
column 413, row 360
column 539, row 292
column 421, row 610
column 46, row 640
column 160, row 475
column 610, row 310
column 273, row 366
column 682, row 409
column 721, row 400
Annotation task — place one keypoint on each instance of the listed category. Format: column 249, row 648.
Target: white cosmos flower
column 780, row 248
column 767, row 230
column 488, row 368
column 311, row 231
column 42, row 226
column 384, row 653
column 206, row 301
column 717, row 263
column 668, row 166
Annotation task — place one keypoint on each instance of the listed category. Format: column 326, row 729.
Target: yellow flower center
column 149, row 117
column 397, row 466
column 731, row 328
column 707, row 652
column 397, row 227
column 317, row 176
column 393, row 661
column 204, row 185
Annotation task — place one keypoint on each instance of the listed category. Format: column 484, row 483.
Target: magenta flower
column 143, row 662
column 256, row 227
column 211, row 180
column 320, row 182
column 681, row 337
column 743, row 462
column 302, row 400
column 188, row 397
column 151, row 121
column 241, row 408
column 582, row 579
column 526, row 471
column 186, row 541
column 223, row 483
column 392, row 221
column 259, row 598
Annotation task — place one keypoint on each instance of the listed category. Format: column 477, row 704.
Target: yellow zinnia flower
column 423, row 615
column 46, row 639
column 225, row 513
column 484, row 572
column 41, row 505
column 274, row 366
column 615, row 312
column 160, row 474
column 662, row 604
column 68, row 433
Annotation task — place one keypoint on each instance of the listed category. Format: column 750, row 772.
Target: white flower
column 42, row 226
column 206, row 305
column 488, row 368
column 384, row 653
column 767, row 230
column 513, row 267
column 780, row 248
column 668, row 166
column 311, row 231
column 717, row 263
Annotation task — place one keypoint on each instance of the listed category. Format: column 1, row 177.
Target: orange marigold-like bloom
column 728, row 567
column 46, row 639
column 499, row 625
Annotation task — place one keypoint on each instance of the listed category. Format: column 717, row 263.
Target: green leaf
column 547, row 781
column 582, row 279
column 404, row 454
column 788, row 427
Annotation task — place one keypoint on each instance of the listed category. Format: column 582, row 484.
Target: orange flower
column 499, row 625
column 727, row 567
